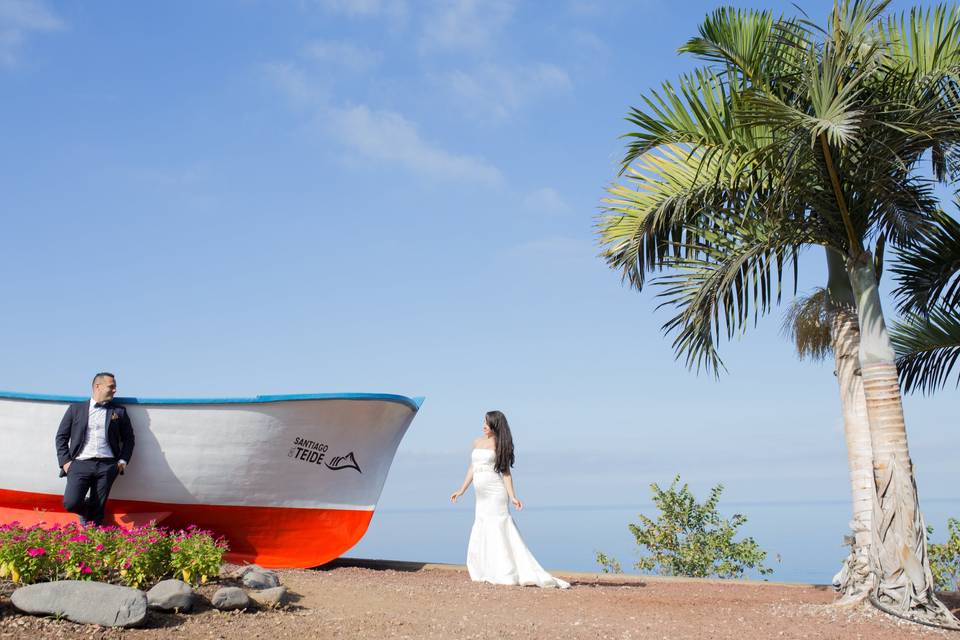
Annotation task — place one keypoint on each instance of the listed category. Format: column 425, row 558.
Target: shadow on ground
column 375, row 565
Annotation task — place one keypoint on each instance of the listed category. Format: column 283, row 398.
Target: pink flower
column 65, row 553
column 174, row 548
column 85, row 569
column 99, row 547
column 79, row 538
column 126, row 564
column 33, row 552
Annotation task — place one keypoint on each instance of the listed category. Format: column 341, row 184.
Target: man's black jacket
column 72, row 433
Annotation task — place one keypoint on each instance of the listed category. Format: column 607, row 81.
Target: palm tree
column 928, row 339
column 796, row 136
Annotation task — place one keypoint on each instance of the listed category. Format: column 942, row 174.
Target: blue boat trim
column 413, row 403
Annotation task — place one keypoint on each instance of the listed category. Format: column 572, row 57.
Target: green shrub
column 691, row 539
column 134, row 557
column 945, row 558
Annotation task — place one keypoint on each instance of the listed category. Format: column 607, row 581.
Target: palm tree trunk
column 855, row 578
column 899, row 546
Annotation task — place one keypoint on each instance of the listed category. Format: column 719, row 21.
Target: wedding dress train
column 497, row 553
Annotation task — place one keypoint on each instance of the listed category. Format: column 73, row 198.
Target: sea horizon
column 803, row 538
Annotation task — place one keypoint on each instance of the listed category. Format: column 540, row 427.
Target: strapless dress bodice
column 482, row 460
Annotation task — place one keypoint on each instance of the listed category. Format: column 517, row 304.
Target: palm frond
column 696, row 112
column 807, row 325
column 719, row 286
column 924, row 41
column 927, row 349
column 928, row 270
column 749, row 44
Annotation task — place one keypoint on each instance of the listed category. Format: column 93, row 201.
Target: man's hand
column 121, row 466
column 66, row 467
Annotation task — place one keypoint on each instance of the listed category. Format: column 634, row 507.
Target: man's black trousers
column 94, row 476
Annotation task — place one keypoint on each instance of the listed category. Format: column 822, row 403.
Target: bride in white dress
column 497, row 553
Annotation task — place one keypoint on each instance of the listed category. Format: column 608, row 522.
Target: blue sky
column 232, row 198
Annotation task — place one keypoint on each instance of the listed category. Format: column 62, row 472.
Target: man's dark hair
column 101, row 375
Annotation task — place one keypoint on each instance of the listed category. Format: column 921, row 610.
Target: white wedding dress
column 496, row 552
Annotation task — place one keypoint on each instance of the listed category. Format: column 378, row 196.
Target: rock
column 239, row 573
column 261, row 579
column 169, row 595
column 84, row 602
column 271, row 598
column 229, row 598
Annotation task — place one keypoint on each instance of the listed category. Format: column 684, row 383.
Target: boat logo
column 308, row 450
column 343, row 462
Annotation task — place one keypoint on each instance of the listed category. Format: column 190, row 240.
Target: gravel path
column 441, row 602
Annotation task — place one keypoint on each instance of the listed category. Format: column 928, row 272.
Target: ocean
column 804, row 540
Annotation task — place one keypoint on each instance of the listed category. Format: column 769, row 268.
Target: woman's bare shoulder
column 482, row 443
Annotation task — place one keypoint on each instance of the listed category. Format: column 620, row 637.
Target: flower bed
column 133, row 557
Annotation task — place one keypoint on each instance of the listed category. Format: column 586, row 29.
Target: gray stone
column 229, row 598
column 169, row 595
column 239, row 573
column 85, row 602
column 272, row 598
column 262, row 579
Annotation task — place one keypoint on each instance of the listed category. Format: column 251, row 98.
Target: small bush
column 691, row 539
column 945, row 558
column 134, row 557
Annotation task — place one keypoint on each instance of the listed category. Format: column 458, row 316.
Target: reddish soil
column 441, row 602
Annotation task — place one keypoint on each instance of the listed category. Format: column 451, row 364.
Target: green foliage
column 134, row 557
column 945, row 558
column 691, row 538
column 927, row 339
column 608, row 564
column 790, row 135
column 195, row 555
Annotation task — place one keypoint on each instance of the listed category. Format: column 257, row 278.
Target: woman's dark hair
column 503, row 454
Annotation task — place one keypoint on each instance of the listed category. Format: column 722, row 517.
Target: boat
column 288, row 480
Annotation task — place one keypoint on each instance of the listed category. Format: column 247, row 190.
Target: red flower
column 79, row 538
column 99, row 547
column 33, row 552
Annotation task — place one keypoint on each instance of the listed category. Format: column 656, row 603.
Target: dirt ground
column 353, row 600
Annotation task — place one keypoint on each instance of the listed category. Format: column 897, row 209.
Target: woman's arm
column 508, row 483
column 466, row 483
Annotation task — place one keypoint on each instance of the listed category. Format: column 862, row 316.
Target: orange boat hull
column 276, row 537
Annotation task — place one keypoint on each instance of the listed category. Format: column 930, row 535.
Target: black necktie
column 100, row 405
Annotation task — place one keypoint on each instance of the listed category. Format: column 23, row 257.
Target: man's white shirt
column 96, row 445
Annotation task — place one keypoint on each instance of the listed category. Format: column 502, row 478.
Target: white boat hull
column 289, row 480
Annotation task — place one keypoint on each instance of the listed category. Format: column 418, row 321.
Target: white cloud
column 393, row 10
column 18, row 19
column 545, row 200
column 465, row 24
column 388, row 137
column 590, row 42
column 497, row 92
column 295, row 85
column 344, row 55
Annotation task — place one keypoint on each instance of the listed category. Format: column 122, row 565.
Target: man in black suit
column 94, row 445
